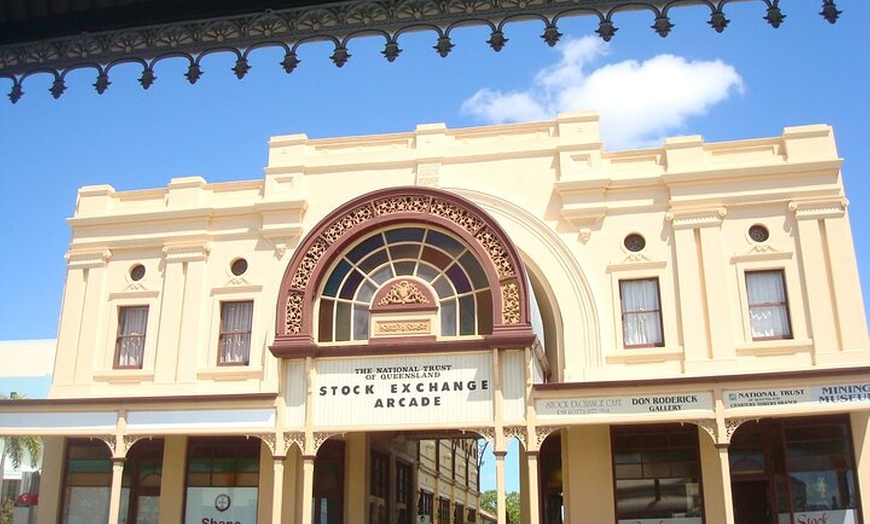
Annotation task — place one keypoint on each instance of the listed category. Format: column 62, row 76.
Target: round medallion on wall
column 634, row 242
column 137, row 272
column 759, row 233
column 239, row 266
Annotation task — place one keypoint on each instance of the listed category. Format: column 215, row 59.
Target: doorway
column 751, row 501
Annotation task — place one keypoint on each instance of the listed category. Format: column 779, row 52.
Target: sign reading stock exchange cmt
column 404, row 390
column 624, row 405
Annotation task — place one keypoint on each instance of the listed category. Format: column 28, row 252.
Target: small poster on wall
column 834, row 516
column 221, row 506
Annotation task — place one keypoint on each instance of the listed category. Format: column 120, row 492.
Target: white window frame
column 767, row 261
column 208, row 366
column 643, row 269
column 117, row 300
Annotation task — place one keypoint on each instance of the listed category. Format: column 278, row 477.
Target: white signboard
column 221, row 506
column 856, row 393
column 625, row 405
column 840, row 516
column 404, row 390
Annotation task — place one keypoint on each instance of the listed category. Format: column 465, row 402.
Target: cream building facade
column 673, row 335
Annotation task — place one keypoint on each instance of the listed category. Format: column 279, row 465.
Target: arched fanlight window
column 439, row 259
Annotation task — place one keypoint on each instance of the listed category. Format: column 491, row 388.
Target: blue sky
column 750, row 81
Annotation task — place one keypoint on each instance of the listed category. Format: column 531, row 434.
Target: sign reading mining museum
column 844, row 394
column 404, row 390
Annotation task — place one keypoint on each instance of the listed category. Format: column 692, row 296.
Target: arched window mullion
column 426, row 253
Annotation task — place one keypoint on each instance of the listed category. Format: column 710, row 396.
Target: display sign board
column 834, row 516
column 221, row 506
column 404, row 390
column 852, row 393
column 624, row 405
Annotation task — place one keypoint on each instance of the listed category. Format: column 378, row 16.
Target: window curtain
column 131, row 336
column 768, row 312
column 235, row 343
column 641, row 313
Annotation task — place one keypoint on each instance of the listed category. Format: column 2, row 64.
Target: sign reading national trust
column 404, row 390
column 624, row 405
column 842, row 394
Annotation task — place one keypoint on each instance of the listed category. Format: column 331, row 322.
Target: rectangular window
column 425, row 504
column 87, row 482
column 657, row 472
column 130, row 344
column 641, row 313
column 768, row 305
column 443, row 511
column 235, row 338
column 796, row 469
column 222, row 479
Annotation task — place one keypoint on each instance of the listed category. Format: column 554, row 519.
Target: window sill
column 124, row 376
column 786, row 346
column 645, row 355
column 228, row 373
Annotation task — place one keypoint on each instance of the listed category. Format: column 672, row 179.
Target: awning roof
column 56, row 36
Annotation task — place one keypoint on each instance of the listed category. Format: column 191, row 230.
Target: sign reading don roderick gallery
column 404, row 390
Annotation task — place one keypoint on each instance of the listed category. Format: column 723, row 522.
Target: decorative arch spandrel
column 405, row 206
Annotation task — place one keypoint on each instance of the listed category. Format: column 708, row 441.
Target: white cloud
column 639, row 102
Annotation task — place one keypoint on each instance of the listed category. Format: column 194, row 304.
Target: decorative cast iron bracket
column 337, row 23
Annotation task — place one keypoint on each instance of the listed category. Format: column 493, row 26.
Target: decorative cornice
column 819, row 209
column 87, row 259
column 690, row 219
column 338, row 23
column 186, row 252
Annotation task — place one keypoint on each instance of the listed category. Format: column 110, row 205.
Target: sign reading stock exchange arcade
column 403, row 390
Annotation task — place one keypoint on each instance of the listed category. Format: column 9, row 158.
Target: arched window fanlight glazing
column 439, row 259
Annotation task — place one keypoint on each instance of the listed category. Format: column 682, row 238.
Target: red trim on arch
column 340, row 229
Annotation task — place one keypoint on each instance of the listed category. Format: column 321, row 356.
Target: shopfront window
column 804, row 465
column 222, row 480
column 657, row 474
column 329, row 483
column 87, row 482
column 143, row 472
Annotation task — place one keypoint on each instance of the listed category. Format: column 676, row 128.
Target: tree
column 17, row 446
column 489, row 503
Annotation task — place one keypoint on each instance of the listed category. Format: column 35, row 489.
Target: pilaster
column 813, row 257
column 91, row 285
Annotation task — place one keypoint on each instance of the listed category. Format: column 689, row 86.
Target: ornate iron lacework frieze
column 338, row 23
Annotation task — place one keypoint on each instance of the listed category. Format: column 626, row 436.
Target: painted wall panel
column 513, row 374
column 224, row 418
column 296, row 389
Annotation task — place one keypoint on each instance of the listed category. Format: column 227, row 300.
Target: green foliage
column 6, row 511
column 489, row 503
column 19, row 446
